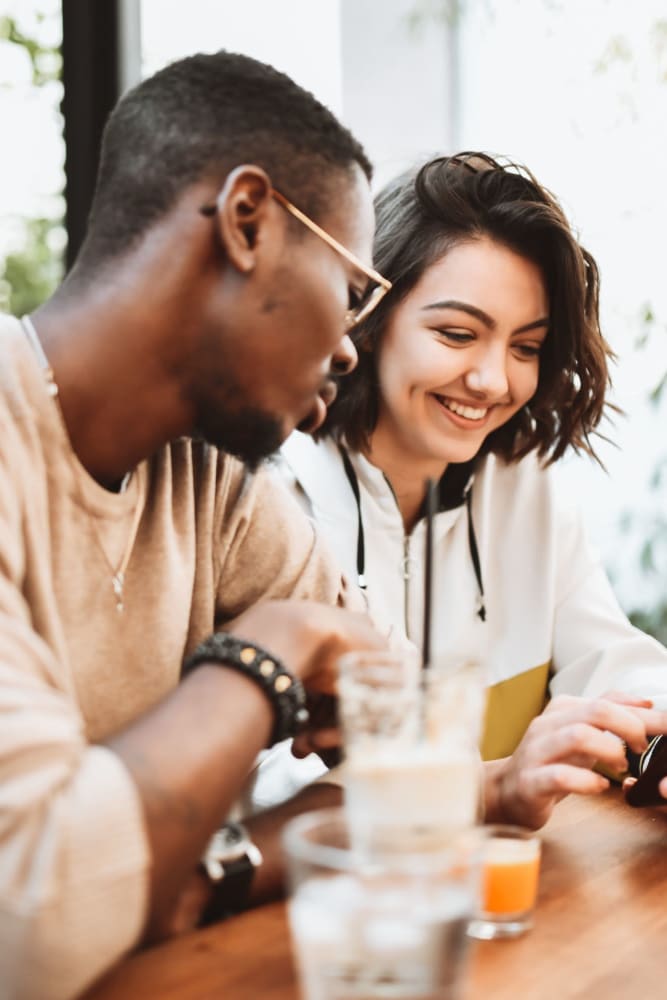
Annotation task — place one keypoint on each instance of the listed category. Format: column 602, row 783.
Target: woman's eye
column 456, row 336
column 353, row 299
column 529, row 350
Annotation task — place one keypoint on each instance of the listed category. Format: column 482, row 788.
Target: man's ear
column 242, row 208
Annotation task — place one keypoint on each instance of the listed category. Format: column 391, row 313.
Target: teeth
column 470, row 412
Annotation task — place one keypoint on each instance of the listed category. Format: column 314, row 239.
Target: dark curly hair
column 198, row 118
column 452, row 200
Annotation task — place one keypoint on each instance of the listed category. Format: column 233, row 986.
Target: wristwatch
column 229, row 863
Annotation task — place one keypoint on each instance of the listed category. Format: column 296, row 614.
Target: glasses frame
column 353, row 317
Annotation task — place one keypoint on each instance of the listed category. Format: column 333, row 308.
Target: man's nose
column 345, row 357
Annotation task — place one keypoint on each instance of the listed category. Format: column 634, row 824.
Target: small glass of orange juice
column 509, row 881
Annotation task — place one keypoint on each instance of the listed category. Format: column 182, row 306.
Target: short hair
column 453, row 200
column 198, row 118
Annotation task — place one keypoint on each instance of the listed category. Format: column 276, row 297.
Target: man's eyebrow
column 482, row 316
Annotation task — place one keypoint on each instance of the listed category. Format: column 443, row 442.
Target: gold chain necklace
column 118, row 572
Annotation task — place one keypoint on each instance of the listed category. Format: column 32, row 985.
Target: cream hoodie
column 552, row 621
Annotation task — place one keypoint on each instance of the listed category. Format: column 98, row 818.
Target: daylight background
column 576, row 89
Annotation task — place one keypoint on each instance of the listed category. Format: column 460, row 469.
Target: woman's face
column 460, row 354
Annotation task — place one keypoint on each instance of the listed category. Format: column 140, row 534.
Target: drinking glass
column 412, row 771
column 390, row 926
column 510, row 876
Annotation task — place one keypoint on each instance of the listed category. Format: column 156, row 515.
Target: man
column 205, row 312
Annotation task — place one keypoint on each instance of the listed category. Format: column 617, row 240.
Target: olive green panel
column 510, row 706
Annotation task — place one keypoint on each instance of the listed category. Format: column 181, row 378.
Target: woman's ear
column 242, row 211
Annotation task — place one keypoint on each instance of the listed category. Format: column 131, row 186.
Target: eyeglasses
column 356, row 314
column 371, row 298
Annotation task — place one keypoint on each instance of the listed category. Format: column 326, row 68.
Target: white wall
column 390, row 81
column 398, row 83
column 299, row 37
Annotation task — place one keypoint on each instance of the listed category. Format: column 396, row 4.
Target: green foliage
column 30, row 272
column 653, row 621
column 46, row 61
column 426, row 12
column 30, row 275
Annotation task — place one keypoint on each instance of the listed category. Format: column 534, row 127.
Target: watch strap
column 230, row 893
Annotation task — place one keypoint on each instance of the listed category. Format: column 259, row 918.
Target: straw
column 428, row 571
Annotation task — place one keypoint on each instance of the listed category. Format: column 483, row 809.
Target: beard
column 225, row 415
column 249, row 434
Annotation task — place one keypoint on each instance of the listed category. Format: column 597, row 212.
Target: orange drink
column 509, row 880
column 510, row 874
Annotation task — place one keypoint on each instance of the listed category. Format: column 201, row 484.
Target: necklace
column 117, row 572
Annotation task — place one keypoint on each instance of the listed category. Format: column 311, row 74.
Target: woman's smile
column 466, row 412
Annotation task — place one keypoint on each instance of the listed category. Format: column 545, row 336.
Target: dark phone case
column 645, row 790
column 323, row 710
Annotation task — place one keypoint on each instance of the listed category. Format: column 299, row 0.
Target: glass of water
column 388, row 926
column 412, row 770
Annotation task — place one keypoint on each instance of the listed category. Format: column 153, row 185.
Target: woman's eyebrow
column 533, row 326
column 482, row 316
column 465, row 307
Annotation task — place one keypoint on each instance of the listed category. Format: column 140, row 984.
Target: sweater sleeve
column 74, row 856
column 596, row 648
column 272, row 549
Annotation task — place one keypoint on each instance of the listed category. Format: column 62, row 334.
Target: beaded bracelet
column 285, row 692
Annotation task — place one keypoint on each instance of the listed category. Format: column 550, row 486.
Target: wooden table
column 600, row 932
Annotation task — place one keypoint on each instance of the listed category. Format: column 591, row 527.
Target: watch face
column 229, row 842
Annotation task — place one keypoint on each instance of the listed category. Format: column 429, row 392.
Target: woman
column 479, row 369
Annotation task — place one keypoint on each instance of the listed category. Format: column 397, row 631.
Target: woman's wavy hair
column 452, row 200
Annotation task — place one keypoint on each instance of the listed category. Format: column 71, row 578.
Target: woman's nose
column 344, row 359
column 488, row 377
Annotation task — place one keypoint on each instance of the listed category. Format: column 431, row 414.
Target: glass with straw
column 411, row 728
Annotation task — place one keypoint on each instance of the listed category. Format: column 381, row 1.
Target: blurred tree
column 33, row 267
column 31, row 274
column 649, row 526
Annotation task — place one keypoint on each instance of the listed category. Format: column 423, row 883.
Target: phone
column 649, row 768
column 323, row 711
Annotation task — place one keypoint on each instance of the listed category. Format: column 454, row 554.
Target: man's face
column 265, row 368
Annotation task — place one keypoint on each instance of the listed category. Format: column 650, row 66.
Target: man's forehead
column 350, row 217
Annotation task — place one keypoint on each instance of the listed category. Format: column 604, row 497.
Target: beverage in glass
column 391, row 926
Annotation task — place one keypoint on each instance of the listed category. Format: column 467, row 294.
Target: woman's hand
column 559, row 750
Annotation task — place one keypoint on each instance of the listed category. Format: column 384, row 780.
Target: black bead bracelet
column 285, row 692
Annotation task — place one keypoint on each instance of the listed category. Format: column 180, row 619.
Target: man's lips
column 325, row 397
column 328, row 392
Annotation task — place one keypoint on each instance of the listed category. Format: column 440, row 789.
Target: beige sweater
column 209, row 542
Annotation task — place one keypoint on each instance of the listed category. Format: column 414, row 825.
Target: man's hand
column 308, row 637
column 559, row 750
